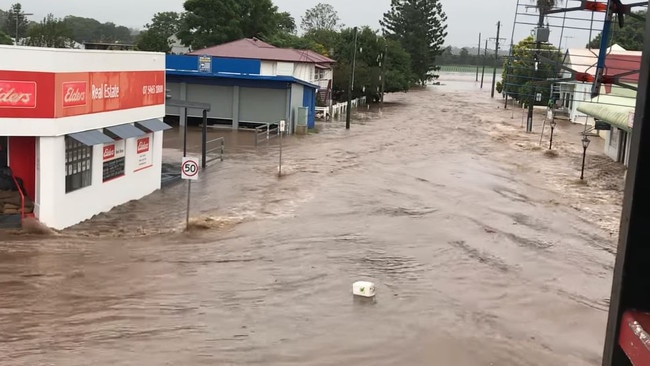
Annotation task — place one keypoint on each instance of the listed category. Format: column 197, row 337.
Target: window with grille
column 78, row 165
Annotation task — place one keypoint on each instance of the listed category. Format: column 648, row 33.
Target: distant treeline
column 464, row 57
column 469, row 69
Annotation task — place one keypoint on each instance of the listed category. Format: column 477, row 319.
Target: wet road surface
column 484, row 252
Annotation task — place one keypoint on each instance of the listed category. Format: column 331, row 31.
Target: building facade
column 571, row 94
column 238, row 92
column 82, row 128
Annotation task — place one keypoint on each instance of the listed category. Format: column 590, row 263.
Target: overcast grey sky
column 466, row 18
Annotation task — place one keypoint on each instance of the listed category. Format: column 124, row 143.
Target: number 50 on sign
column 190, row 168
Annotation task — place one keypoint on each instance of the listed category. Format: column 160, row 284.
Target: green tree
column 15, row 20
column 286, row 23
column 321, row 17
column 50, row 32
column 212, row 22
column 5, row 38
column 258, row 18
column 629, row 37
column 526, row 71
column 288, row 40
column 372, row 53
column 464, row 56
column 154, row 42
column 3, row 21
column 321, row 41
column 328, row 39
column 420, row 27
column 156, row 35
column 91, row 30
column 84, row 29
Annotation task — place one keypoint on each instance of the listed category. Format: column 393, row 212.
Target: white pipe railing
column 340, row 109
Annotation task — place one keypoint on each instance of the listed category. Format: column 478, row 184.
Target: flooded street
column 485, row 251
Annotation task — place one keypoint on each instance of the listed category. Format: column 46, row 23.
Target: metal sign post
column 189, row 171
column 283, row 127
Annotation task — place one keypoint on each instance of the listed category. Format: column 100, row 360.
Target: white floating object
column 363, row 288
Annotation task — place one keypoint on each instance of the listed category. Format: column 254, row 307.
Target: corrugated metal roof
column 252, row 48
column 612, row 108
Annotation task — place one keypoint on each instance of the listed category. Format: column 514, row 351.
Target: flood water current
column 484, row 252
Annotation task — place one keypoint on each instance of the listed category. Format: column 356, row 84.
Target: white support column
column 183, row 96
column 235, row 107
column 50, row 180
column 288, row 111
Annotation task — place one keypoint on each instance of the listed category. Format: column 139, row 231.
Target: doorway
column 3, row 151
column 23, row 162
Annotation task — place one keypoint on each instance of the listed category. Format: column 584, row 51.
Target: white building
column 582, row 60
column 177, row 47
column 304, row 65
column 251, row 83
column 82, row 128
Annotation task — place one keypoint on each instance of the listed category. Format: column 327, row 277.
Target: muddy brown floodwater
column 485, row 251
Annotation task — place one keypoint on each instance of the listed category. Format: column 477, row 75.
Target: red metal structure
column 628, row 331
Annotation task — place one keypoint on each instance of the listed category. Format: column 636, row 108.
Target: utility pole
column 17, row 17
column 479, row 55
column 505, row 84
column 533, row 97
column 383, row 71
column 559, row 47
column 510, row 55
column 496, row 60
column 484, row 61
column 348, row 116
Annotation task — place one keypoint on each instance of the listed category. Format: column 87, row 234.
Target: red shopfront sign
column 143, row 145
column 109, row 152
column 75, row 93
column 17, row 94
column 54, row 95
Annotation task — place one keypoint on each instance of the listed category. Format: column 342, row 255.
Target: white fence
column 338, row 109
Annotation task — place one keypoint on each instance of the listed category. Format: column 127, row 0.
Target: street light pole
column 585, row 145
column 550, row 145
column 17, row 18
column 496, row 60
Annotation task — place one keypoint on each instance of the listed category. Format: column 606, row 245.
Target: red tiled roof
column 252, row 48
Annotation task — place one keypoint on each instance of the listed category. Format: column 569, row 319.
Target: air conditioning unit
column 541, row 34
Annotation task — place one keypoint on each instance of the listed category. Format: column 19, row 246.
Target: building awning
column 91, row 138
column 152, row 125
column 611, row 109
column 125, row 131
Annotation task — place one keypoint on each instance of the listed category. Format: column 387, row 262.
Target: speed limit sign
column 190, row 168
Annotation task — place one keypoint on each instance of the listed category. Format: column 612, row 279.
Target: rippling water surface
column 479, row 256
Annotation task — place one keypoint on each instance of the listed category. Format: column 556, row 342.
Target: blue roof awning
column 223, row 75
